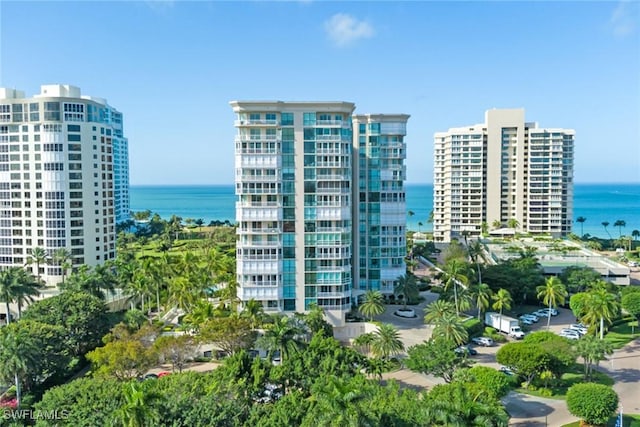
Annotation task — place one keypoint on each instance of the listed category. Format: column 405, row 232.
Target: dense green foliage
column 436, row 357
column 495, row 382
column 320, row 385
column 83, row 316
column 593, row 403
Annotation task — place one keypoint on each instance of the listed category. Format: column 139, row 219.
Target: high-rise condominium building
column 380, row 211
column 298, row 223
column 64, row 177
column 503, row 173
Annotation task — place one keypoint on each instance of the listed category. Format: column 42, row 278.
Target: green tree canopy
column 593, row 403
column 436, row 357
column 231, row 334
column 83, row 316
column 631, row 303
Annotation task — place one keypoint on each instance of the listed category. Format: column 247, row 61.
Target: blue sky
column 173, row 66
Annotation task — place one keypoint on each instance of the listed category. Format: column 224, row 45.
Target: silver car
column 483, row 341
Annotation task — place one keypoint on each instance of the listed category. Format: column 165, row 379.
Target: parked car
column 465, row 349
column 578, row 328
column 506, row 371
column 545, row 312
column 526, row 320
column 483, row 341
column 570, row 334
column 530, row 317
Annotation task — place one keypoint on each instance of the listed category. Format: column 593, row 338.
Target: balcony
column 258, row 178
column 259, row 293
column 259, row 214
column 258, row 267
column 254, row 122
column 333, row 294
column 259, row 244
column 242, row 231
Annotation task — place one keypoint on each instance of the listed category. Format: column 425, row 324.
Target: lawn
column 630, row 420
column 622, row 334
column 574, row 376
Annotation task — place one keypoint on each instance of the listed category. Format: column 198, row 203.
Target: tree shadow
column 522, row 406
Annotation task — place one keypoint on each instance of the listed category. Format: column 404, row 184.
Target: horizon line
column 407, row 183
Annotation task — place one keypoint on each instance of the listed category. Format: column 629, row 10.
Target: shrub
column 545, row 392
column 491, row 333
column 496, row 382
column 593, row 403
column 422, row 287
column 474, row 327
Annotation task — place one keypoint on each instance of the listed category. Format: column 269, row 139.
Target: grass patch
column 631, row 420
column 620, row 335
column 560, row 386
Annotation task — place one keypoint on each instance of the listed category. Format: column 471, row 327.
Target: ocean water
column 598, row 203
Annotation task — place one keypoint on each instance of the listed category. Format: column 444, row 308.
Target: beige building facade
column 505, row 173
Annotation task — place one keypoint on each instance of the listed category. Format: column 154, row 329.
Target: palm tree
column 62, row 257
column 484, row 228
column 363, row 342
column 620, row 223
column 600, row 306
column 39, row 256
column 501, row 300
column 406, row 286
column 340, row 401
column 282, row 335
column 481, row 294
column 19, row 286
column 464, row 406
column 635, row 234
column 451, row 327
column 592, row 350
column 437, row 310
column 496, row 224
column 386, row 342
column 455, row 274
column 419, row 226
column 513, row 223
column 581, row 220
column 605, row 224
column 8, row 287
column 28, row 287
column 17, row 354
column 139, row 288
column 199, row 314
column 372, row 305
column 254, row 311
column 476, row 253
column 552, row 293
column 138, row 410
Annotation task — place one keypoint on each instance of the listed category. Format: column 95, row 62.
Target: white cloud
column 344, row 29
column 623, row 18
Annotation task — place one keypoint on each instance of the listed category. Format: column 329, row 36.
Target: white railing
column 250, row 122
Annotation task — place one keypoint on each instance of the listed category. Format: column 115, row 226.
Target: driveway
column 624, row 367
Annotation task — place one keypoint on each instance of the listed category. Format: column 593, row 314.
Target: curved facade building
column 64, row 177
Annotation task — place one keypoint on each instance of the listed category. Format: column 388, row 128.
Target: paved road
column 624, row 368
column 525, row 410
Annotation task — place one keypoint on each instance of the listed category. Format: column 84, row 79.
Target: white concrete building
column 295, row 184
column 502, row 173
column 60, row 155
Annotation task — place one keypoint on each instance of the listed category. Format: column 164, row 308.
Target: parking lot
column 487, row 355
